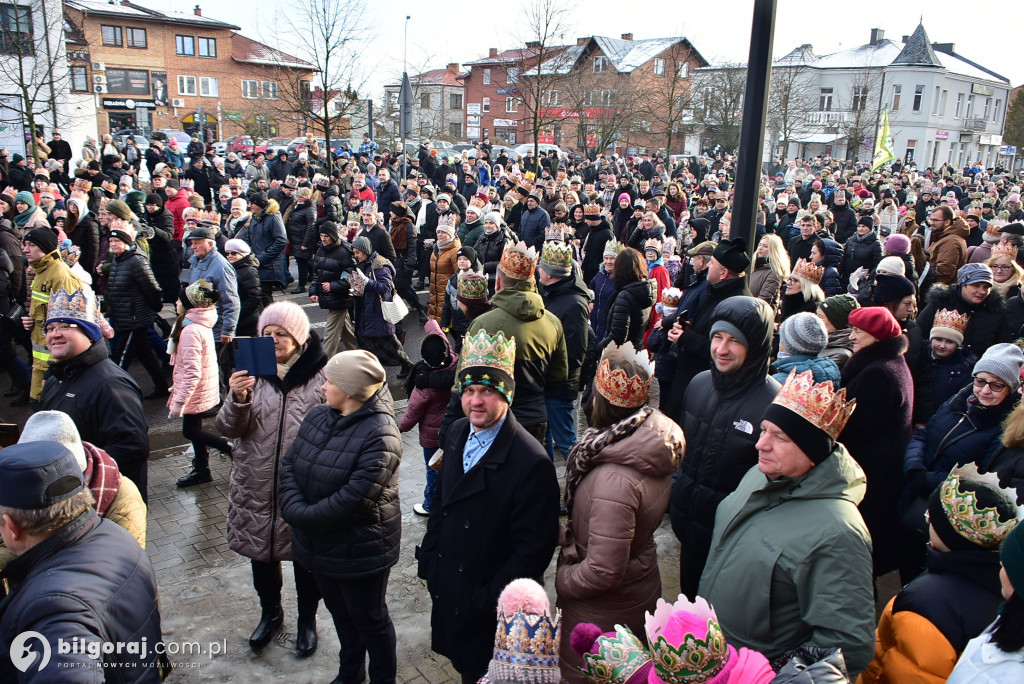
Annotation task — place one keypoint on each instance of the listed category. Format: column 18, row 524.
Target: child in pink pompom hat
column 686, row 641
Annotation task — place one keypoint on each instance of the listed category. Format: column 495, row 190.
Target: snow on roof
column 623, row 55
column 253, row 52
column 133, row 11
column 562, row 63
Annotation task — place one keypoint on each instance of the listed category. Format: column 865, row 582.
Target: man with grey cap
column 207, row 263
column 77, row 579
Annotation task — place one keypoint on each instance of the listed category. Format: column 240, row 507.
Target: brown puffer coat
column 442, row 266
column 608, row 566
column 949, row 251
column 265, row 427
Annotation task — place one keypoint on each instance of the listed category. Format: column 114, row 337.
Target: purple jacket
column 381, row 274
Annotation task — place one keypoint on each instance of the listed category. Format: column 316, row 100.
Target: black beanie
column 866, row 221
column 732, row 254
column 153, row 198
column 259, row 199
column 891, row 287
column 43, row 238
column 811, row 439
column 330, row 229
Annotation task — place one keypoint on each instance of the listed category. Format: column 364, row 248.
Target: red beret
column 876, row 321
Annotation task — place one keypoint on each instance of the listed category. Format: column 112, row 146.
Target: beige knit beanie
column 356, row 372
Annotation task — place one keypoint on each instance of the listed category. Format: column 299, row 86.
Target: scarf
column 441, row 244
column 1004, row 288
column 22, row 218
column 652, row 264
column 102, row 476
column 591, row 444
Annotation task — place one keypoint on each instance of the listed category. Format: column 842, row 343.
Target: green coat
column 470, row 232
column 541, row 358
column 790, row 563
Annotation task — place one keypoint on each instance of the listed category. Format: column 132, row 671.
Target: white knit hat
column 55, row 426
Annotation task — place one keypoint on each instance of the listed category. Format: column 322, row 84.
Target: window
column 512, row 75
column 897, row 92
column 487, row 77
column 825, row 100
column 600, row 64
column 186, row 85
column 136, row 37
column 15, row 29
column 79, row 79
column 250, row 89
column 860, row 98
column 269, row 89
column 549, row 98
column 208, row 87
column 455, row 101
column 207, row 47
column 959, row 105
column 970, row 107
column 942, row 103
column 511, row 105
column 185, row 45
column 112, row 36
column 425, row 101
column 486, row 106
column 935, row 103
column 684, row 71
column 659, row 67
column 455, row 130
column 988, row 105
column 995, row 111
column 918, row 97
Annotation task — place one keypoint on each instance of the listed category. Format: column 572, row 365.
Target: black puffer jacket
column 844, row 222
column 593, row 248
column 329, row 265
column 339, row 490
column 133, row 295
column 164, row 253
column 301, row 232
column 722, row 422
column 489, row 247
column 628, row 313
column 250, row 295
column 987, row 323
column 86, row 236
column 861, row 250
column 569, row 300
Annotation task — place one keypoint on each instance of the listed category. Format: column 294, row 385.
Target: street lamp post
column 405, row 97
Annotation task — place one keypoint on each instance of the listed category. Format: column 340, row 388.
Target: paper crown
column 321, row 180
column 78, row 306
column 199, row 293
column 976, row 523
column 472, row 286
column 109, row 186
column 69, row 252
column 952, row 319
column 555, row 232
column 620, row 389
column 291, row 182
column 79, row 195
column 209, row 218
column 617, row 659
column 805, row 269
column 526, row 641
column 483, row 350
column 1004, row 249
column 478, row 201
column 190, row 215
column 693, row 659
column 121, row 225
column 613, row 247
column 518, row 261
column 671, row 296
column 446, row 222
column 557, row 254
column 996, row 225
column 368, row 207
column 818, row 404
column 653, row 244
column 234, row 182
column 591, row 210
column 187, row 183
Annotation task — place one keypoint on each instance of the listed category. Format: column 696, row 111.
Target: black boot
column 270, row 622
column 305, row 638
column 21, row 398
column 13, row 392
column 423, row 317
column 404, row 373
column 200, row 474
column 159, row 391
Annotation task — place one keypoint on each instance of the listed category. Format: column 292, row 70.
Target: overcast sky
column 459, row 31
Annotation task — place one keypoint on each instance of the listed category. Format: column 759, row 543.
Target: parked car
column 273, row 146
column 459, row 148
column 543, row 148
column 496, row 150
column 220, row 148
column 297, row 145
column 241, row 145
column 164, row 135
column 140, row 140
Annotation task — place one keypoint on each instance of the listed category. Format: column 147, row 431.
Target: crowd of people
column 837, row 398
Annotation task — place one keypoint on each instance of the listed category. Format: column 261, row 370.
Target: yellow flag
column 883, row 143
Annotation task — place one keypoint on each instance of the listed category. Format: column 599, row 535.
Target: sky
column 460, row 31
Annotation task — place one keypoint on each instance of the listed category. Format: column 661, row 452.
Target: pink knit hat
column 289, row 316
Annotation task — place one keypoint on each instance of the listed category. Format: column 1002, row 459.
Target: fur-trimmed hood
column 949, row 297
column 883, row 350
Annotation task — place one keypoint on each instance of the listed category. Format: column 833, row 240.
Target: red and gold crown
column 79, row 195
column 518, row 261
column 818, row 404
column 471, row 286
column 234, row 182
column 591, row 210
column 671, row 296
column 478, row 201
column 190, row 215
column 653, row 243
column 557, row 255
column 208, row 218
column 805, row 269
column 109, row 186
column 1005, row 249
column 952, row 319
column 620, row 389
column 82, row 185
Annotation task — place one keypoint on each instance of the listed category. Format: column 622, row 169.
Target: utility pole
column 405, row 97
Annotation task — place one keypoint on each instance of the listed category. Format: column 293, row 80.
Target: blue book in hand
column 255, row 355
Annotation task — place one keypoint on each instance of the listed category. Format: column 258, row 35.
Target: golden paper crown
column 472, row 285
column 620, row 389
column 291, row 182
column 109, row 186
column 820, row 405
column 209, row 218
column 693, row 660
column 591, row 209
column 121, row 225
column 655, row 244
column 526, row 640
column 671, row 296
column 477, row 201
column 482, row 350
column 446, row 221
column 518, row 261
column 993, row 227
column 618, row 658
column 234, row 182
column 974, row 522
column 368, row 207
column 557, row 254
column 555, row 231
column 1005, row 249
column 78, row 305
column 951, row 318
column 82, row 185
column 808, row 270
column 79, row 195
column 187, row 183
column 190, row 215
column 613, row 247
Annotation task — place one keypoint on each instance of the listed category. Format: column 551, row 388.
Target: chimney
column 877, row 36
column 533, row 44
column 492, row 53
column 582, row 41
column 198, row 12
column 453, row 68
column 627, row 36
column 946, row 48
column 905, row 38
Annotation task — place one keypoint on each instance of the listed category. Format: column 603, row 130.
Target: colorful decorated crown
column 368, row 207
column 951, row 318
column 199, row 293
column 187, row 183
column 671, row 296
column 446, row 221
column 820, row 405
column 477, row 201
column 518, row 261
column 490, row 352
column 618, row 658
column 208, row 218
column 291, row 182
column 693, row 660
column 555, row 232
column 82, row 185
column 525, row 640
column 69, row 252
column 109, row 186
column 620, row 389
column 978, row 524
column 613, row 247
column 655, row 244
column 472, row 286
column 190, row 215
column 806, row 269
column 77, row 305
column 1005, row 249
column 234, row 182
column 557, row 254
column 591, row 210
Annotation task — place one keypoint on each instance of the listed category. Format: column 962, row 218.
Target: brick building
column 492, row 98
column 438, row 108
column 152, row 70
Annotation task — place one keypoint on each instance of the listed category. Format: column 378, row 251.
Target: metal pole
column 405, row 49
column 755, row 112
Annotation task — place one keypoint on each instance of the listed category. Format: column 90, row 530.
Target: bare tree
column 670, row 96
column 859, row 109
column 34, row 64
column 718, row 103
column 792, row 97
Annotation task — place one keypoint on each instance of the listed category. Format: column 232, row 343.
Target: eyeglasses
column 793, row 281
column 1002, row 267
column 59, row 327
column 995, row 386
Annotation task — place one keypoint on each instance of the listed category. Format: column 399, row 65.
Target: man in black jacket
column 330, row 289
column 104, row 401
column 721, row 420
column 75, row 578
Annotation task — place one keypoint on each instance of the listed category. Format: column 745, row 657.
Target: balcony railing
column 974, row 123
column 828, row 118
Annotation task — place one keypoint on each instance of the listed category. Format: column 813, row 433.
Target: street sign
column 1008, row 150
